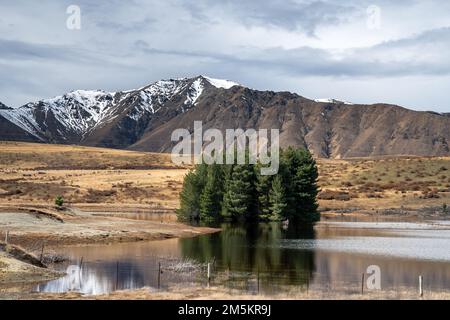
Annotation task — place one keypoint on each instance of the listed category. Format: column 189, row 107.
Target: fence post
column 6, row 236
column 362, row 283
column 209, row 273
column 307, row 285
column 421, row 286
column 117, row 275
column 258, row 281
column 159, row 275
column 42, row 253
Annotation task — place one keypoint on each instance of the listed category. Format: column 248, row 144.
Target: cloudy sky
column 356, row 50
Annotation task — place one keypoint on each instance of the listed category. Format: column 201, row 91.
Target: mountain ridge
column 143, row 119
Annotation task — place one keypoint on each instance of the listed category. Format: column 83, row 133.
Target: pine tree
column 239, row 200
column 305, row 188
column 193, row 185
column 299, row 172
column 240, row 192
column 263, row 186
column 212, row 194
column 277, row 200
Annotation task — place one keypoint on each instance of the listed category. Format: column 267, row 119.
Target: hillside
column 143, row 119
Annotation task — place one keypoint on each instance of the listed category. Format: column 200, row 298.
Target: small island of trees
column 238, row 192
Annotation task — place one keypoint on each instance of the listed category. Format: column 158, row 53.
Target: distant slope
column 143, row 119
column 11, row 131
column 335, row 130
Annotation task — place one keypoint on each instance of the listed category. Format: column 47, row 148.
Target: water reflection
column 330, row 256
column 250, row 248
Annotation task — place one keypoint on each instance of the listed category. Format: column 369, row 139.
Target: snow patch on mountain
column 328, row 100
column 78, row 111
column 194, row 92
column 151, row 97
column 219, row 83
column 23, row 117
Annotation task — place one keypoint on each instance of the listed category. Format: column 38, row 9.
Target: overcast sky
column 355, row 50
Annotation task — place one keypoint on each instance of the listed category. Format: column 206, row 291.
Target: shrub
column 334, row 195
column 346, row 184
column 59, row 201
column 374, row 195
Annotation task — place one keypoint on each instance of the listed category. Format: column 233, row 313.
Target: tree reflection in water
column 254, row 248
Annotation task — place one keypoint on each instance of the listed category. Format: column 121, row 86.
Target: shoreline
column 40, row 230
column 222, row 293
column 28, row 226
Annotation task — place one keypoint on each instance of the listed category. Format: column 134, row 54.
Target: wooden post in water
column 159, row 275
column 6, row 236
column 362, row 283
column 117, row 276
column 257, row 279
column 421, row 286
column 307, row 285
column 79, row 267
column 209, row 273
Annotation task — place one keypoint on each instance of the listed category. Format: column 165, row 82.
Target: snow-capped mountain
column 144, row 119
column 4, row 107
column 75, row 116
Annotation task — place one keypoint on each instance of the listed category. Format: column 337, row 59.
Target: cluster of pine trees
column 238, row 192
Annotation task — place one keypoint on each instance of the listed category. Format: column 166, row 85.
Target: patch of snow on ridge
column 195, row 90
column 23, row 118
column 219, row 83
column 79, row 110
column 327, row 100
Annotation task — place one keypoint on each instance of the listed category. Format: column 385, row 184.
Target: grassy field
column 97, row 178
column 402, row 184
column 37, row 173
column 100, row 188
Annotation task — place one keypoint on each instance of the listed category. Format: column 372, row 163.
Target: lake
column 269, row 257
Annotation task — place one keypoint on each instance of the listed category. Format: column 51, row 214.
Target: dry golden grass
column 34, row 174
column 384, row 183
column 97, row 200
column 221, row 293
column 96, row 178
column 22, row 155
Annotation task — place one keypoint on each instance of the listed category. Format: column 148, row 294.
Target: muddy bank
column 15, row 272
column 33, row 228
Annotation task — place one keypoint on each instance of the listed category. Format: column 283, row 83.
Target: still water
column 268, row 257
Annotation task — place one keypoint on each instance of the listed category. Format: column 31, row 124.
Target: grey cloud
column 128, row 44
column 10, row 49
column 289, row 14
column 305, row 61
column 127, row 27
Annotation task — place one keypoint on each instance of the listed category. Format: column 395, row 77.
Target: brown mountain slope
column 143, row 119
column 334, row 130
